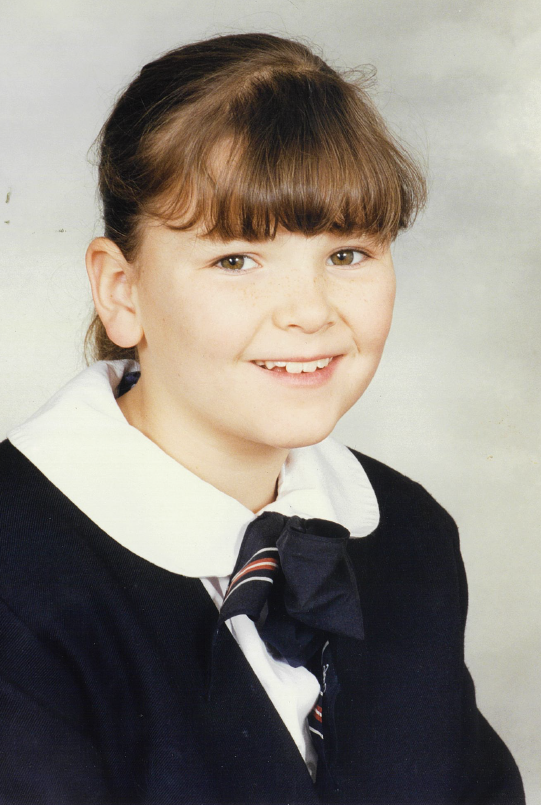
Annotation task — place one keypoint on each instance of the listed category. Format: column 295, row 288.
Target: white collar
column 154, row 506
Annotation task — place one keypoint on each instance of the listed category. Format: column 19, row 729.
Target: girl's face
column 260, row 343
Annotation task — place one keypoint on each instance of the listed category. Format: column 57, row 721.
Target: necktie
column 294, row 579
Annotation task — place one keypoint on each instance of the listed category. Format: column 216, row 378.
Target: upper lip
column 298, row 360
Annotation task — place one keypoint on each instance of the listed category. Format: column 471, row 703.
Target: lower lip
column 310, row 379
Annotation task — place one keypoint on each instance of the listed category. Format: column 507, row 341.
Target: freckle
column 60, row 230
column 8, row 197
column 6, row 222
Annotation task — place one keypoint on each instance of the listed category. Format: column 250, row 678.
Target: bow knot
column 294, row 579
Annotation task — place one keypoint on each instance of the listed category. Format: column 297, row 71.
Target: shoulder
column 29, row 502
column 48, row 546
column 416, row 540
column 53, row 558
column 42, row 535
column 29, row 505
column 400, row 496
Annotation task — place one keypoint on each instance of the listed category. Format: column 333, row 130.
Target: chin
column 304, row 426
column 302, row 436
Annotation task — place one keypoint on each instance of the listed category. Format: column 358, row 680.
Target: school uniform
column 114, row 689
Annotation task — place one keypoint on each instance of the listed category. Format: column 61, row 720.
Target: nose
column 304, row 303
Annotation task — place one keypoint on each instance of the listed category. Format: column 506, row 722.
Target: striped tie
column 294, row 579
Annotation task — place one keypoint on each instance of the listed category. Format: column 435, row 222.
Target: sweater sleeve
column 491, row 776
column 47, row 758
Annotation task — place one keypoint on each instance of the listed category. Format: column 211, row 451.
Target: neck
column 243, row 470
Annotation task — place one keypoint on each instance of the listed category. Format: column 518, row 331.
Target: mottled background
column 456, row 401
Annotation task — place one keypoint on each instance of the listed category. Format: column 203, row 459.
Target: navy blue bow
column 294, row 579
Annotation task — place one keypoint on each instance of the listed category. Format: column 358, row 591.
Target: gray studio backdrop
column 455, row 404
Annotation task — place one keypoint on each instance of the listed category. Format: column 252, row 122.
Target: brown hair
column 242, row 134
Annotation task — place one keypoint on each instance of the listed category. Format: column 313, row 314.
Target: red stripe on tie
column 318, row 713
column 270, row 564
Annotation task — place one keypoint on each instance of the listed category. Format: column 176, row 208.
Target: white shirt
column 144, row 499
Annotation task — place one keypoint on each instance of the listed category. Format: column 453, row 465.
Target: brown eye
column 346, row 257
column 236, row 262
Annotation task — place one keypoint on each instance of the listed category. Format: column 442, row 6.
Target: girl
column 204, row 598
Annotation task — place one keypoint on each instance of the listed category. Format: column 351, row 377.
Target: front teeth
column 294, row 367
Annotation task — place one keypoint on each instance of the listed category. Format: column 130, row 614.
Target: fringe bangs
column 296, row 154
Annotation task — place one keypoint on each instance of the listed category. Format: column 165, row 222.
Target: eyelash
column 231, row 270
column 364, row 255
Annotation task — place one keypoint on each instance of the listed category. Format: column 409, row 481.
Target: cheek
column 383, row 316
column 198, row 317
column 372, row 316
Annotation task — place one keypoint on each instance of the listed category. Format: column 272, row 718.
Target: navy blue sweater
column 105, row 659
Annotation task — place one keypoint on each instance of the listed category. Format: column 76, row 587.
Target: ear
column 112, row 280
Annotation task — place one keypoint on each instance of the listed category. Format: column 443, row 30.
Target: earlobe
column 112, row 281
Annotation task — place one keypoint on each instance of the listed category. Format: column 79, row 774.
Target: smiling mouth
column 294, row 367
